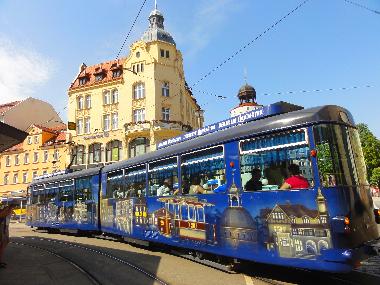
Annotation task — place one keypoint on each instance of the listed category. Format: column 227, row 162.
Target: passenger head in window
column 165, row 188
column 195, row 187
column 254, row 184
column 295, row 180
column 185, row 186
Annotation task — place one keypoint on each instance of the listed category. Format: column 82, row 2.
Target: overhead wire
column 362, row 6
column 249, row 43
column 130, row 30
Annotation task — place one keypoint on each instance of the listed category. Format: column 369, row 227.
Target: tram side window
column 163, row 177
column 339, row 155
column 66, row 191
column 83, row 189
column 116, row 187
column 264, row 160
column 135, row 179
column 203, row 171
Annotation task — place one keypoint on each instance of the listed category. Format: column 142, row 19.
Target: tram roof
column 67, row 176
column 300, row 118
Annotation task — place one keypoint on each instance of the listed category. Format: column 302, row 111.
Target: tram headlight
column 377, row 215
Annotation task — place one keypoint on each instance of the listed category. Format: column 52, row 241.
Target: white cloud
column 21, row 70
column 208, row 20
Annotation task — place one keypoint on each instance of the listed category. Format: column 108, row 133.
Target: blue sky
column 325, row 44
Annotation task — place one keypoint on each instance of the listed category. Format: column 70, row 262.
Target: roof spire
column 245, row 75
column 155, row 4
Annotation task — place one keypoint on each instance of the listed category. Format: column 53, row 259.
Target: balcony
column 137, row 127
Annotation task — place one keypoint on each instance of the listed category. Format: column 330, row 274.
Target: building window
column 15, row 178
column 167, row 54
column 139, row 91
column 26, row 158
column 6, row 179
column 115, row 96
column 106, row 122
column 46, row 155
column 113, row 151
column 141, row 67
column 44, row 172
column 25, row 177
column 79, row 126
column 8, row 161
column 162, row 52
column 306, row 220
column 138, row 146
column 116, row 73
column 106, row 98
column 34, row 175
column 115, row 121
column 82, row 80
column 30, row 141
column 35, row 157
column 88, row 101
column 56, row 155
column 138, row 115
column 17, row 161
column 165, row 114
column 78, row 153
column 99, row 77
column 80, row 103
column 87, row 126
column 165, row 89
column 138, row 54
column 94, row 153
column 36, row 139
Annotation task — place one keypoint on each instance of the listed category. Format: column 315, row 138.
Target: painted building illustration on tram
column 297, row 231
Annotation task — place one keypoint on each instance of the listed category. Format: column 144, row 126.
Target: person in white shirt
column 165, row 189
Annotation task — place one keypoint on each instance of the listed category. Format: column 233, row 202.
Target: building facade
column 43, row 151
column 123, row 108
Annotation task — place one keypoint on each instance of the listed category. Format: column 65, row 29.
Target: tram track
column 74, row 264
column 90, row 250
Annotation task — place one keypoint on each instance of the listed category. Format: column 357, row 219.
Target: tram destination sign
column 259, row 113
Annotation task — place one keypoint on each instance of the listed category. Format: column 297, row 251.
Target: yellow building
column 123, row 108
column 43, row 151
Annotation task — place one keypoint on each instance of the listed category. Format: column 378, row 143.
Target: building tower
column 247, row 98
column 322, row 209
column 124, row 107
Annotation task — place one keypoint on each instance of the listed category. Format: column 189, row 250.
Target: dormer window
column 99, row 77
column 82, row 80
column 116, row 73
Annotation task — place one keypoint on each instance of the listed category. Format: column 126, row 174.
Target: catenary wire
column 130, row 30
column 362, row 6
column 249, row 43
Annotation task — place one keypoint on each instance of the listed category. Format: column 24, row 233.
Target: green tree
column 371, row 148
column 375, row 177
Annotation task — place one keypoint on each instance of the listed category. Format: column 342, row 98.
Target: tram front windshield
column 340, row 157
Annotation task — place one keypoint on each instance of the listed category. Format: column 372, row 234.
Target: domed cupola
column 156, row 30
column 247, row 94
column 247, row 98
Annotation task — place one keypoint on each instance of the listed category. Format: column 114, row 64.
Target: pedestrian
column 5, row 213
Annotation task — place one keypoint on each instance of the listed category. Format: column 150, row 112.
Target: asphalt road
column 36, row 257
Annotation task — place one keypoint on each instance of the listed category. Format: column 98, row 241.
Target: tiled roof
column 105, row 67
column 5, row 107
column 59, row 139
column 16, row 147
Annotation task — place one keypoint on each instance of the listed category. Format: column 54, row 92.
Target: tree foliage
column 371, row 148
column 375, row 177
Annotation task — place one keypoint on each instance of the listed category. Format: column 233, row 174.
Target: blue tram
column 194, row 193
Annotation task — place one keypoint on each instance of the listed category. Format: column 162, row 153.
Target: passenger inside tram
column 254, row 184
column 295, row 180
column 195, row 187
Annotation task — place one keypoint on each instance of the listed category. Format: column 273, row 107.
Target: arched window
column 80, row 103
column 113, row 151
column 138, row 146
column 165, row 89
column 139, row 91
column 94, row 153
column 306, row 220
column 78, row 154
